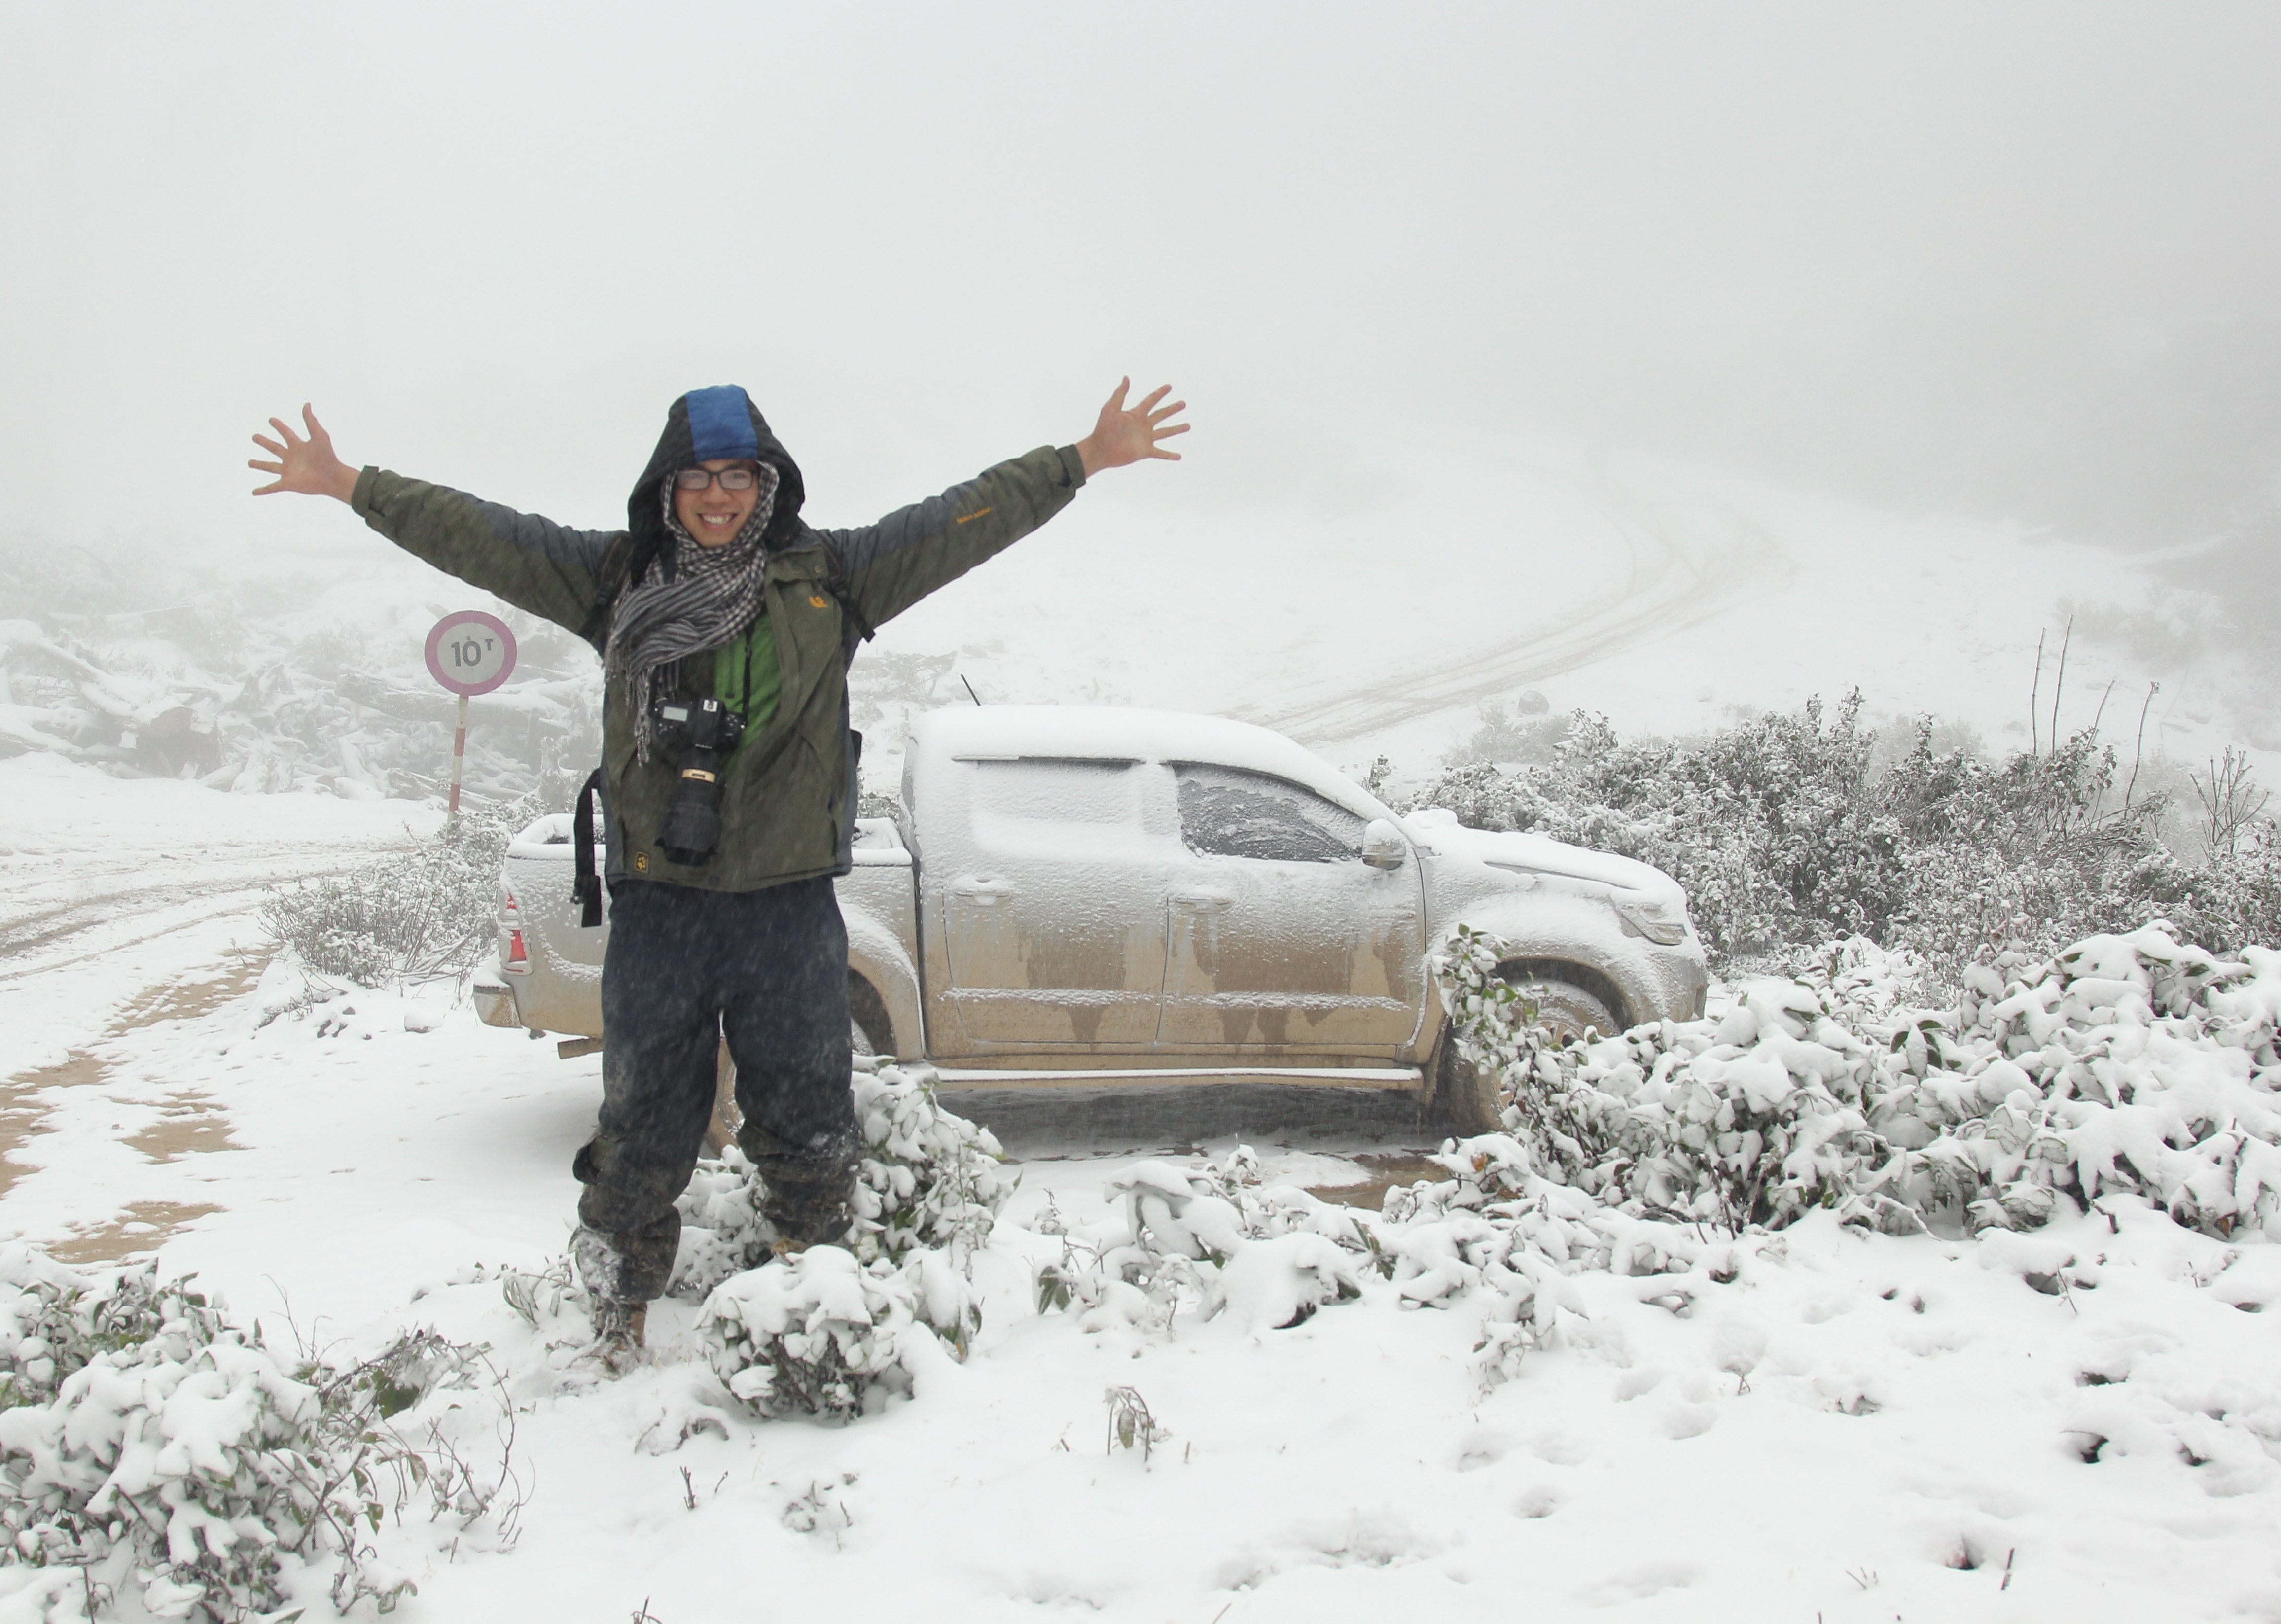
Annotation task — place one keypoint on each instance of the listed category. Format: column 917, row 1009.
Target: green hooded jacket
column 789, row 791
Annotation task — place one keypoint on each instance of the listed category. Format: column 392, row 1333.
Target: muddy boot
column 618, row 1317
column 617, row 1336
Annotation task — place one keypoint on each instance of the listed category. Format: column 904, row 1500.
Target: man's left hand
column 1126, row 434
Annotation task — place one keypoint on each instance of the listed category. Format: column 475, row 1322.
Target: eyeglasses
column 732, row 479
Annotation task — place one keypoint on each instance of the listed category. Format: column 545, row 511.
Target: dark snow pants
column 685, row 967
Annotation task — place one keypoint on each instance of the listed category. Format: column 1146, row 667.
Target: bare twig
column 2139, row 755
column 2230, row 802
column 2059, row 686
column 2035, row 695
column 2008, row 1555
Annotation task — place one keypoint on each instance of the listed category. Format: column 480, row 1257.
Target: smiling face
column 714, row 515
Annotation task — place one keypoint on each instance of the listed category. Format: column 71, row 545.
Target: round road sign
column 471, row 651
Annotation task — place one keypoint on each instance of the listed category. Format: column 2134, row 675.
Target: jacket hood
column 703, row 425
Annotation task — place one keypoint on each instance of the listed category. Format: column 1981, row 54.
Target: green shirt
column 745, row 677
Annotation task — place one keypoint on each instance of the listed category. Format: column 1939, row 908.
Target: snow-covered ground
column 111, row 887
column 1857, row 1427
column 1850, row 1428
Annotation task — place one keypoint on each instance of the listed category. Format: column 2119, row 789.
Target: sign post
column 468, row 653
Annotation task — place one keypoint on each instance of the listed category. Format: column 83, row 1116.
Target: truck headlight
column 1660, row 921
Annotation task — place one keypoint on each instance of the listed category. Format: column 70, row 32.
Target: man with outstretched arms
column 725, row 623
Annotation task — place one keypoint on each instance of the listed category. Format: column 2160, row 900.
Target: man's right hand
column 307, row 466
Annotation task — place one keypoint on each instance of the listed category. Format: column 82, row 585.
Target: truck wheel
column 1468, row 1096
column 1567, row 1009
column 874, row 1033
column 1473, row 1102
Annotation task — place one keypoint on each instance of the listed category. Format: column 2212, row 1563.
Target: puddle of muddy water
column 21, row 1112
column 1380, row 1171
column 191, row 1124
column 134, row 1232
column 188, row 1002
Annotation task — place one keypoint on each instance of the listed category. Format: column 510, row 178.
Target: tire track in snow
column 50, row 923
column 1673, row 582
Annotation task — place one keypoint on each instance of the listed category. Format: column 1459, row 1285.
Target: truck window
column 1055, row 789
column 1228, row 813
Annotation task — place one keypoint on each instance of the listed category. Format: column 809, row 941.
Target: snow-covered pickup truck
column 1077, row 896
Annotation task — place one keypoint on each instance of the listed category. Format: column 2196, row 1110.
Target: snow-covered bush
column 2125, row 1063
column 1215, row 1238
column 149, row 1448
column 821, row 1333
column 414, row 915
column 928, row 1176
column 1790, row 830
column 1768, row 824
column 830, row 1330
column 722, row 1230
column 925, row 1178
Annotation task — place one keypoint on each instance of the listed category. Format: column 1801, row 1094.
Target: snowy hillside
column 1670, row 597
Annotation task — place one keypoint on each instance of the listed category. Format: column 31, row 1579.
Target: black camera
column 706, row 731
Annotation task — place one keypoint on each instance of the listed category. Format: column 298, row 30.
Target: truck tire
column 1569, row 1010
column 1467, row 1097
column 1475, row 1104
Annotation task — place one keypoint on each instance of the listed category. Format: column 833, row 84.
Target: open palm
column 1128, row 434
column 307, row 466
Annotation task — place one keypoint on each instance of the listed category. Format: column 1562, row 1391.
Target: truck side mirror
column 1383, row 846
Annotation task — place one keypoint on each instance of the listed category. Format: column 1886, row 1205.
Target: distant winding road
column 1668, row 582
column 53, row 916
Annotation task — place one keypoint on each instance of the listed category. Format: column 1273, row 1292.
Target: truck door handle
column 980, row 890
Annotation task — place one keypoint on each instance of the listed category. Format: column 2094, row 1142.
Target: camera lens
column 708, row 731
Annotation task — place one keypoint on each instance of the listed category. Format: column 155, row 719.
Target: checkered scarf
column 710, row 595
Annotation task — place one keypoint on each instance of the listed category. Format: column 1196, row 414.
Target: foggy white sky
column 2005, row 257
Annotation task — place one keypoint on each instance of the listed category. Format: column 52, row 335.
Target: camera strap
column 586, row 888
